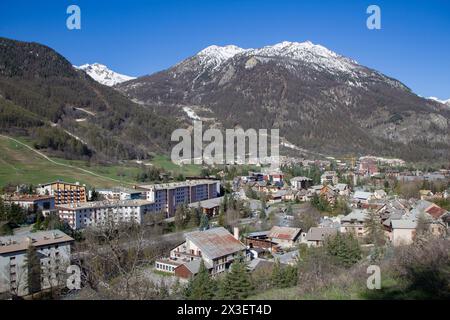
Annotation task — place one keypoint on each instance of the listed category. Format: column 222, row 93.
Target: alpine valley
column 322, row 102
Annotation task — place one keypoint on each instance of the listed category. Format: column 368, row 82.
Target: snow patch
column 103, row 75
column 191, row 114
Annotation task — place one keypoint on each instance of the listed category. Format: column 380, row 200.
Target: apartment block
column 64, row 192
column 96, row 213
column 53, row 250
column 167, row 197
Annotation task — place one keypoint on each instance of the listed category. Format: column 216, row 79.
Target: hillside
column 68, row 113
column 321, row 101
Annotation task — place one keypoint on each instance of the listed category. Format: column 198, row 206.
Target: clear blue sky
column 138, row 37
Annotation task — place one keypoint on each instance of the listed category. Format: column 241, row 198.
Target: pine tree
column 344, row 249
column 284, row 277
column 374, row 233
column 201, row 286
column 221, row 218
column 204, row 222
column 277, row 275
column 33, row 265
column 237, row 284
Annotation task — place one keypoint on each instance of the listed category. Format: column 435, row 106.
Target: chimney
column 236, row 233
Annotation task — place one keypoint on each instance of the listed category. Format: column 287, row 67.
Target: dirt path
column 63, row 164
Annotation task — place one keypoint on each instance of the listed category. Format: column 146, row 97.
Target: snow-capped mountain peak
column 103, row 74
column 214, row 55
column 446, row 102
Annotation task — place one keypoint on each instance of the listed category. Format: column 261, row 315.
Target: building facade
column 64, row 192
column 167, row 197
column 53, row 250
column 96, row 213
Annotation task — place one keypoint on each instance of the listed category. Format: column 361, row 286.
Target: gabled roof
column 356, row 214
column 362, row 195
column 319, row 234
column 435, row 211
column 215, row 243
column 284, row 233
column 429, row 208
column 404, row 224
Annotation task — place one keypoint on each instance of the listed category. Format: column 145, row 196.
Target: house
column 299, row 183
column 403, row 231
column 316, row 236
column 274, row 177
column 329, row 177
column 260, row 264
column 260, row 240
column 290, row 195
column 64, row 192
column 209, row 207
column 354, row 222
column 361, row 197
column 328, row 193
column 315, row 189
column 342, row 189
column 288, row 258
column 285, row 237
column 53, row 250
column 217, row 247
column 433, row 214
column 277, row 196
column 32, row 203
column 380, row 194
column 167, row 265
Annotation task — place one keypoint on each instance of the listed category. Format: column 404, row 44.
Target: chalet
column 361, row 197
column 260, row 240
column 285, row 237
column 209, row 207
column 433, row 214
column 316, row 236
column 217, row 247
column 329, row 193
column 403, row 231
column 354, row 223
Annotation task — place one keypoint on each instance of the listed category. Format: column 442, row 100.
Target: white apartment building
column 53, row 249
column 91, row 214
column 168, row 196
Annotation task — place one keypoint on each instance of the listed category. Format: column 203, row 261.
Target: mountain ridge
column 102, row 74
column 320, row 100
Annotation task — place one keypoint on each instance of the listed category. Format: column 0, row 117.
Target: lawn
column 19, row 165
column 164, row 162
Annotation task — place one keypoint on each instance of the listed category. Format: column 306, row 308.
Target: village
column 264, row 220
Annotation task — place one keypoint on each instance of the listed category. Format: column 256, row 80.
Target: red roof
column 435, row 211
